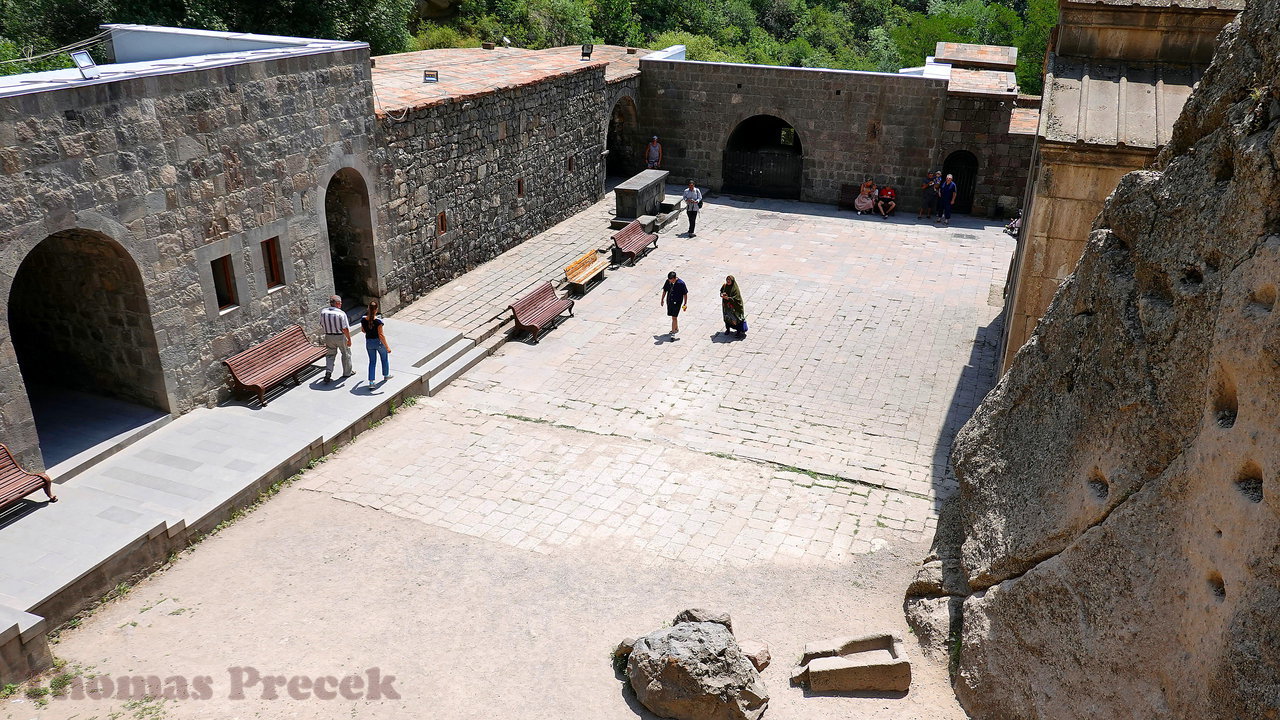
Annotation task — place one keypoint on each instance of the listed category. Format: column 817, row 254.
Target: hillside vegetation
column 854, row 34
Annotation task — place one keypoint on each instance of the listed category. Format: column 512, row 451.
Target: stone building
column 160, row 216
column 508, row 142
column 1116, row 77
column 804, row 133
column 206, row 190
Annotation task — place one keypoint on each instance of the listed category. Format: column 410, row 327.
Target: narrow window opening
column 570, row 164
column 442, row 223
column 520, row 187
column 224, row 283
column 272, row 262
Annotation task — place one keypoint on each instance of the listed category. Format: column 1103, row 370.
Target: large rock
column 696, row 671
column 1118, row 493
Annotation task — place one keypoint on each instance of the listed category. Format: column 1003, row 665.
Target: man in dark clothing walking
column 674, row 295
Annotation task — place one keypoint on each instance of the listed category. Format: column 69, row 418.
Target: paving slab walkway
column 492, row 543
column 130, row 509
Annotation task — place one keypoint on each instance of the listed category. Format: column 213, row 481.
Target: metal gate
column 963, row 165
column 766, row 174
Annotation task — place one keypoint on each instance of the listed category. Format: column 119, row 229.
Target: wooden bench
column 280, row 356
column 632, row 241
column 16, row 483
column 582, row 271
column 537, row 310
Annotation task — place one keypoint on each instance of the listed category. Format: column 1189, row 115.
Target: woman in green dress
column 735, row 319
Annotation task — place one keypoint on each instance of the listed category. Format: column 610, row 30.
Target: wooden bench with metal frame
column 273, row 360
column 632, row 241
column 582, row 272
column 539, row 309
column 16, row 483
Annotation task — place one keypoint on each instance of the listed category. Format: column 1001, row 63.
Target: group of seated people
column 872, row 198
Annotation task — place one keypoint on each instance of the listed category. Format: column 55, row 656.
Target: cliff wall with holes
column 1114, row 550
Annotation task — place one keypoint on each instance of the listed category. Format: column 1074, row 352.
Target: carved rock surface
column 1118, row 488
column 696, row 671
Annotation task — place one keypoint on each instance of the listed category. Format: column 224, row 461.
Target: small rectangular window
column 272, row 262
column 787, row 136
column 442, row 223
column 224, row 282
column 571, row 164
column 520, row 187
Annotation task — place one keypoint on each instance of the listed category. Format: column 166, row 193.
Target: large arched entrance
column 764, row 157
column 963, row 165
column 82, row 333
column 623, row 140
column 349, row 222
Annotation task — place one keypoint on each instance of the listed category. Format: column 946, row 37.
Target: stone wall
column 851, row 125
column 496, row 166
column 980, row 124
column 179, row 170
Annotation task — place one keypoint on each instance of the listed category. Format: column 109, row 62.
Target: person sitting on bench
column 887, row 201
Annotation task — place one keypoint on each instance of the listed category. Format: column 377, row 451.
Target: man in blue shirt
column 946, row 198
column 674, row 295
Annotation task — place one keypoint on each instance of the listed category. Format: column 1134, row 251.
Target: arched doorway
column 963, row 165
column 764, row 157
column 349, row 222
column 623, row 140
column 82, row 333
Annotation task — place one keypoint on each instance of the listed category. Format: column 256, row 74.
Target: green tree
column 615, row 22
column 1041, row 16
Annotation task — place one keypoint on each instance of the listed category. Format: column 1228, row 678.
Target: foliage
column 47, row 24
column 10, row 50
column 881, row 35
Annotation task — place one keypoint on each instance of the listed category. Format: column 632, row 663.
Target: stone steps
column 453, row 370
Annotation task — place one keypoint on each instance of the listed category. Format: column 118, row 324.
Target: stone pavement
column 492, row 543
column 471, row 303
column 871, row 342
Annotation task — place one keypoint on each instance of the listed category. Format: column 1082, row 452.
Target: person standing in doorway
column 675, row 295
column 337, row 338
column 375, row 341
column 692, row 204
column 928, row 196
column 653, row 154
column 947, row 197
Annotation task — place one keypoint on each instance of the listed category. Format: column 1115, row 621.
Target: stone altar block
column 641, row 194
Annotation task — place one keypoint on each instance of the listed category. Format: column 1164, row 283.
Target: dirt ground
column 309, row 585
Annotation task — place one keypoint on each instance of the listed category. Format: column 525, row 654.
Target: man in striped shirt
column 337, row 337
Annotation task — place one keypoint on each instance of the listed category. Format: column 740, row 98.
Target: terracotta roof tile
column 467, row 72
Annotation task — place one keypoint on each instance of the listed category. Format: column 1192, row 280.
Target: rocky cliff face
column 1117, row 523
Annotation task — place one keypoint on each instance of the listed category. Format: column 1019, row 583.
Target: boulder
column 931, row 620
column 700, row 615
column 1118, row 493
column 696, row 671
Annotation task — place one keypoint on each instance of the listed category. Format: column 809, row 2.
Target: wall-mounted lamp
column 587, row 50
column 84, row 62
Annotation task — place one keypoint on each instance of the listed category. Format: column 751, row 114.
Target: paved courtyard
column 491, row 544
